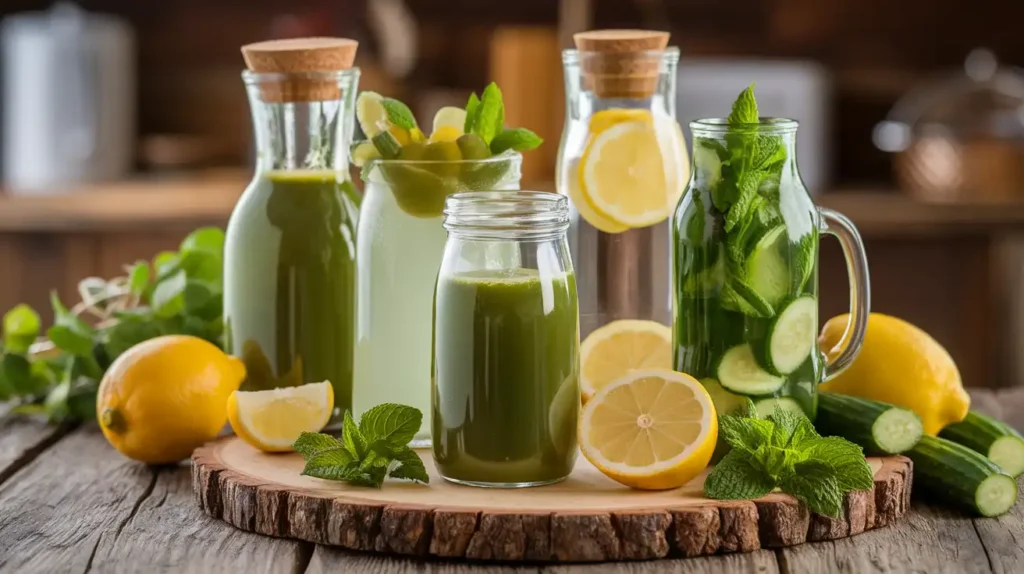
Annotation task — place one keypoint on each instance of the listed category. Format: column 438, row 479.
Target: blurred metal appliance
column 68, row 99
column 961, row 137
column 794, row 89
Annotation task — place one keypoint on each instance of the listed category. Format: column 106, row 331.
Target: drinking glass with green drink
column 745, row 264
column 400, row 239
column 505, row 389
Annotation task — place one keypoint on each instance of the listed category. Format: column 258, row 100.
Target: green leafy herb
column 399, row 114
column 368, row 452
column 744, row 109
column 784, row 451
column 181, row 292
column 490, row 120
column 472, row 114
column 518, row 139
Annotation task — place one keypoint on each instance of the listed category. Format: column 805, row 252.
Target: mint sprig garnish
column 784, row 451
column 485, row 117
column 367, row 453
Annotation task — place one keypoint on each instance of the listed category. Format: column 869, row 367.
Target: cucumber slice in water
column 767, row 270
column 739, row 372
column 791, row 335
column 766, row 407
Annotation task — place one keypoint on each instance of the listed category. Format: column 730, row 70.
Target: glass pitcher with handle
column 745, row 269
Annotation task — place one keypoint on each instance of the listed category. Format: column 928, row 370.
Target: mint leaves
column 784, row 451
column 485, row 117
column 399, row 114
column 368, row 452
column 744, row 109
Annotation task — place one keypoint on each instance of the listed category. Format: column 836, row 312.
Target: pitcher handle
column 839, row 226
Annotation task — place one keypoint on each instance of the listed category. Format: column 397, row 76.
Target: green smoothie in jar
column 506, row 376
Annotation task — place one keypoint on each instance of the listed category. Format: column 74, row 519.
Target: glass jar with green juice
column 289, row 277
column 505, row 388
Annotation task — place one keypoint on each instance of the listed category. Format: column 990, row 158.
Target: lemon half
column 620, row 347
column 272, row 420
column 651, row 429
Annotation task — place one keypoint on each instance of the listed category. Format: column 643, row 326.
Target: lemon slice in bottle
column 620, row 347
column 272, row 420
column 651, row 429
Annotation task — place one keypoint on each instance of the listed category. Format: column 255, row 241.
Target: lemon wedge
column 652, row 429
column 272, row 420
column 449, row 117
column 370, row 113
column 620, row 347
column 632, row 169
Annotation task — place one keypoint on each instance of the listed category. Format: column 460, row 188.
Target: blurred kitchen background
column 125, row 125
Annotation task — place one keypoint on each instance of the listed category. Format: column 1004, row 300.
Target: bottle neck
column 590, row 92
column 506, row 215
column 768, row 152
column 304, row 135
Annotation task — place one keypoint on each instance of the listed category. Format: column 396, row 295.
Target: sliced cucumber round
column 766, row 407
column 791, row 335
column 725, row 402
column 739, row 372
column 767, row 270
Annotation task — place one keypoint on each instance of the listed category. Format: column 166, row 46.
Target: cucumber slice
column 992, row 438
column 766, row 407
column 957, row 474
column 767, row 271
column 725, row 402
column 739, row 372
column 709, row 162
column 880, row 428
column 791, row 336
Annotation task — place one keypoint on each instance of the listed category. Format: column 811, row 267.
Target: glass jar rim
column 765, row 125
column 505, row 214
column 670, row 55
column 509, row 156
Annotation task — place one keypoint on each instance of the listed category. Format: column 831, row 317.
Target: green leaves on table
column 178, row 293
column 784, row 451
column 368, row 452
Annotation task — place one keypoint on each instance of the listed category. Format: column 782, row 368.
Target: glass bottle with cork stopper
column 624, row 165
column 289, row 256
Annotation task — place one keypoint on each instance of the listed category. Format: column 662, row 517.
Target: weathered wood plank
column 927, row 539
column 757, row 562
column 22, row 439
column 169, row 533
column 1003, row 538
column 328, row 560
column 57, row 508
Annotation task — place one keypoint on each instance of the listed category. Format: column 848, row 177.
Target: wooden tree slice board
column 586, row 518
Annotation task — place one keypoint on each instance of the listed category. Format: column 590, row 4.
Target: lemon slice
column 450, row 117
column 445, row 134
column 370, row 113
column 620, row 347
column 588, row 213
column 272, row 420
column 652, row 429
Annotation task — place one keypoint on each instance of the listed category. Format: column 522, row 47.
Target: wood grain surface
column 73, row 497
column 586, row 518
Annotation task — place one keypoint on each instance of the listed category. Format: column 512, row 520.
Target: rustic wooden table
column 70, row 503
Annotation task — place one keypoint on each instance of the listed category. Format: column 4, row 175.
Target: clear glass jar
column 399, row 245
column 622, row 266
column 506, row 342
column 746, row 271
column 289, row 256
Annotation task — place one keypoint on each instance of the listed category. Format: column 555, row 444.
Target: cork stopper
column 621, row 63
column 299, row 60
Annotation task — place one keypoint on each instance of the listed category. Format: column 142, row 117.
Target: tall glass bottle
column 623, row 163
column 289, row 257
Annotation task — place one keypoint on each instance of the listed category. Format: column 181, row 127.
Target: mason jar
column 505, row 397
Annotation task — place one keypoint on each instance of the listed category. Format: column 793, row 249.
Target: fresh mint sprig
column 784, row 451
column 368, row 452
column 485, row 117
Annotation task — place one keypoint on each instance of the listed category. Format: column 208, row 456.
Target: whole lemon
column 166, row 396
column 900, row 364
